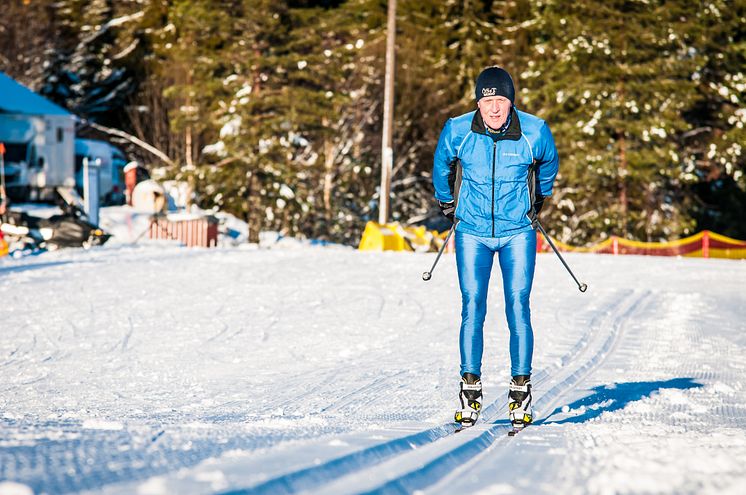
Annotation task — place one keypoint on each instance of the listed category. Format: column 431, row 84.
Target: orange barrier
column 704, row 244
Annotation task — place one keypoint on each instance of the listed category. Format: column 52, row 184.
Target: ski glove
column 538, row 205
column 448, row 209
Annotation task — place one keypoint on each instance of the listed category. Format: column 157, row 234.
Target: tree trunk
column 253, row 212
column 623, row 202
column 328, row 172
column 188, row 147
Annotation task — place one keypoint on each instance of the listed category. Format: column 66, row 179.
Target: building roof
column 17, row 98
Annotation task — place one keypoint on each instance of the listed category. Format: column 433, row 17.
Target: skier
column 509, row 162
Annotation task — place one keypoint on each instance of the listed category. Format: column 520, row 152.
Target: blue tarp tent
column 18, row 99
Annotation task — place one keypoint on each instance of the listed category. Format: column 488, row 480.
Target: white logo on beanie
column 489, row 91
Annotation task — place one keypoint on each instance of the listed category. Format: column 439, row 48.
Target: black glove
column 538, row 205
column 448, row 209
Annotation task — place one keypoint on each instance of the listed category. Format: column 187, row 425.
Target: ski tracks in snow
column 328, row 371
column 422, row 458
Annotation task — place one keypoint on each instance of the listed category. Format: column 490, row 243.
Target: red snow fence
column 704, row 244
column 191, row 230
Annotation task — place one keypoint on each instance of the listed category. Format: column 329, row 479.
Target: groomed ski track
column 330, row 371
column 427, row 467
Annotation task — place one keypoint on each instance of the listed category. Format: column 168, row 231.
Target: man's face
column 494, row 110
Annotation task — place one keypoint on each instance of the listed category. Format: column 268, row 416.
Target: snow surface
column 151, row 368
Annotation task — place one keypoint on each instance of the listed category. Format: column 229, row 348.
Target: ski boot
column 470, row 396
column 519, row 402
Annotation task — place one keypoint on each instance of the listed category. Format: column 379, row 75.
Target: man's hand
column 448, row 209
column 537, row 206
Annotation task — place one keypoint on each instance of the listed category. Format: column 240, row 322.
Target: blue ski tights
column 517, row 256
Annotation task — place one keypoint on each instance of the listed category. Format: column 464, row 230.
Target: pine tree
column 613, row 80
column 714, row 154
column 189, row 62
column 442, row 48
column 24, row 40
column 280, row 161
column 87, row 72
column 273, row 110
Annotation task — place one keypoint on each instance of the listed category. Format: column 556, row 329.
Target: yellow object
column 3, row 247
column 395, row 237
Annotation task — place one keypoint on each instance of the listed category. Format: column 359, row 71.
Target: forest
column 272, row 110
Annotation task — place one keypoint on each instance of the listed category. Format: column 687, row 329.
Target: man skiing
column 509, row 162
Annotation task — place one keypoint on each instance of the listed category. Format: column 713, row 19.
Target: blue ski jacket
column 500, row 176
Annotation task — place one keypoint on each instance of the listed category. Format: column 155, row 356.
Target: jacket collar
column 513, row 132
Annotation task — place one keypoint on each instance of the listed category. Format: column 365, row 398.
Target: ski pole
column 428, row 275
column 582, row 287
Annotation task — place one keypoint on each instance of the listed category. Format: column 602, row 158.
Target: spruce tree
column 280, row 159
column 714, row 156
column 189, row 52
column 613, row 80
column 442, row 48
column 88, row 70
column 25, row 40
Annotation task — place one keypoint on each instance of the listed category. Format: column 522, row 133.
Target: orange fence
column 704, row 244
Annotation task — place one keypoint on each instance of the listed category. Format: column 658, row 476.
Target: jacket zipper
column 494, row 151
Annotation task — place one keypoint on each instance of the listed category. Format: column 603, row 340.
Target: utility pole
column 387, row 149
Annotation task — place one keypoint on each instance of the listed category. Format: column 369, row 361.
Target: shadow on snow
column 608, row 398
column 31, row 266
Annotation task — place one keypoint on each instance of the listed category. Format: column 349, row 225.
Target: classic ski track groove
column 496, row 434
column 608, row 349
column 314, row 477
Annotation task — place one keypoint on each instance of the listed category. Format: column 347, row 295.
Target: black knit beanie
column 494, row 81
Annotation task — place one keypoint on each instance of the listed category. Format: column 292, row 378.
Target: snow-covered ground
column 154, row 369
